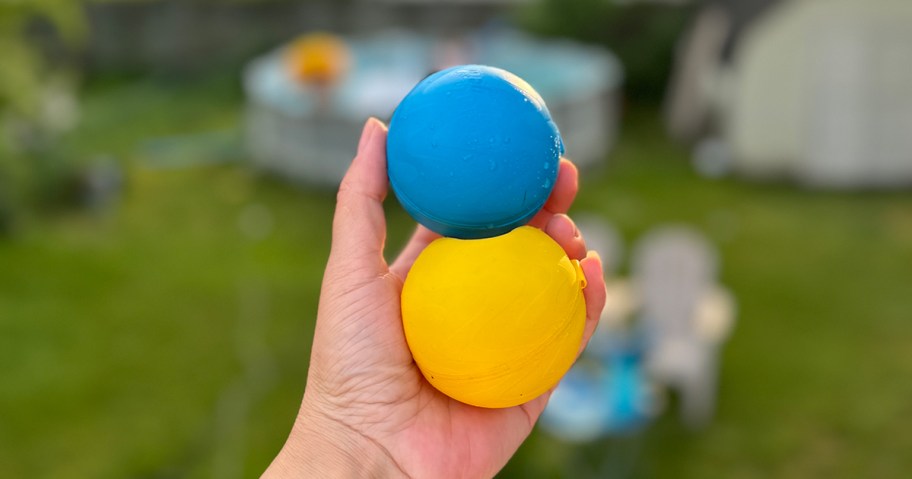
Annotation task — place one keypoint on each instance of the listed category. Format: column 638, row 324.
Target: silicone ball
column 472, row 152
column 494, row 322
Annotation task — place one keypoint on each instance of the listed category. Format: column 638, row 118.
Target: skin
column 367, row 410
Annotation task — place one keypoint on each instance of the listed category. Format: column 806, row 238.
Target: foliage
column 25, row 71
column 642, row 34
column 36, row 99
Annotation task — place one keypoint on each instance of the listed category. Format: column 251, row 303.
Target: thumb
column 359, row 225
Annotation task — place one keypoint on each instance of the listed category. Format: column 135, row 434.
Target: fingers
column 564, row 231
column 420, row 239
column 595, row 293
column 554, row 221
column 565, row 188
column 562, row 196
column 359, row 225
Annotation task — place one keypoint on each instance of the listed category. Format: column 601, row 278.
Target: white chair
column 685, row 315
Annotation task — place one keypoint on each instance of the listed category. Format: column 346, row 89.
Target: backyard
column 169, row 335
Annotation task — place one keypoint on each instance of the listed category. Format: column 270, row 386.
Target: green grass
column 158, row 340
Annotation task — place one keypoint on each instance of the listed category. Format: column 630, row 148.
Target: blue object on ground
column 603, row 394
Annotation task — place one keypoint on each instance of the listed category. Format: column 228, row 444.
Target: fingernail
column 369, row 127
column 595, row 254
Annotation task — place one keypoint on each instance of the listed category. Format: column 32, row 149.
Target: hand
column 367, row 410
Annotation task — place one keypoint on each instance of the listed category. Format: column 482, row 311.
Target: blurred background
column 167, row 176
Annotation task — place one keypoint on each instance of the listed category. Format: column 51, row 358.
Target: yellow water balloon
column 494, row 322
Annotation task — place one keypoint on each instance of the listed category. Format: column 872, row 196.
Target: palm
column 427, row 433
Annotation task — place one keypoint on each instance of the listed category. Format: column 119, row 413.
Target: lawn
column 169, row 336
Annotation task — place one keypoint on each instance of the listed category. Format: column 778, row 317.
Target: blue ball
column 472, row 152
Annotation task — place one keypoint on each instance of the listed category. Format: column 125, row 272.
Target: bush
column 643, row 36
column 31, row 93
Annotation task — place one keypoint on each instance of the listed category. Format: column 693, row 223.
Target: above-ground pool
column 310, row 136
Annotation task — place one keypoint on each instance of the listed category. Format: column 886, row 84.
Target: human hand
column 367, row 410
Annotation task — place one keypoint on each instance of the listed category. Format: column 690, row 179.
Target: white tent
column 817, row 90
column 824, row 92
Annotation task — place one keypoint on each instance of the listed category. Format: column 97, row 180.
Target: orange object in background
column 318, row 58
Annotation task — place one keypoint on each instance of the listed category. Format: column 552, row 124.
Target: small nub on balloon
column 579, row 273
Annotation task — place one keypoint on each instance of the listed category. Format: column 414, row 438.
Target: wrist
column 320, row 446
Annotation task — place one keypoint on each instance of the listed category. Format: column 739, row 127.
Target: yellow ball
column 494, row 322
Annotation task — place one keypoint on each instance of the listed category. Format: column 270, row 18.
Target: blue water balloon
column 472, row 152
